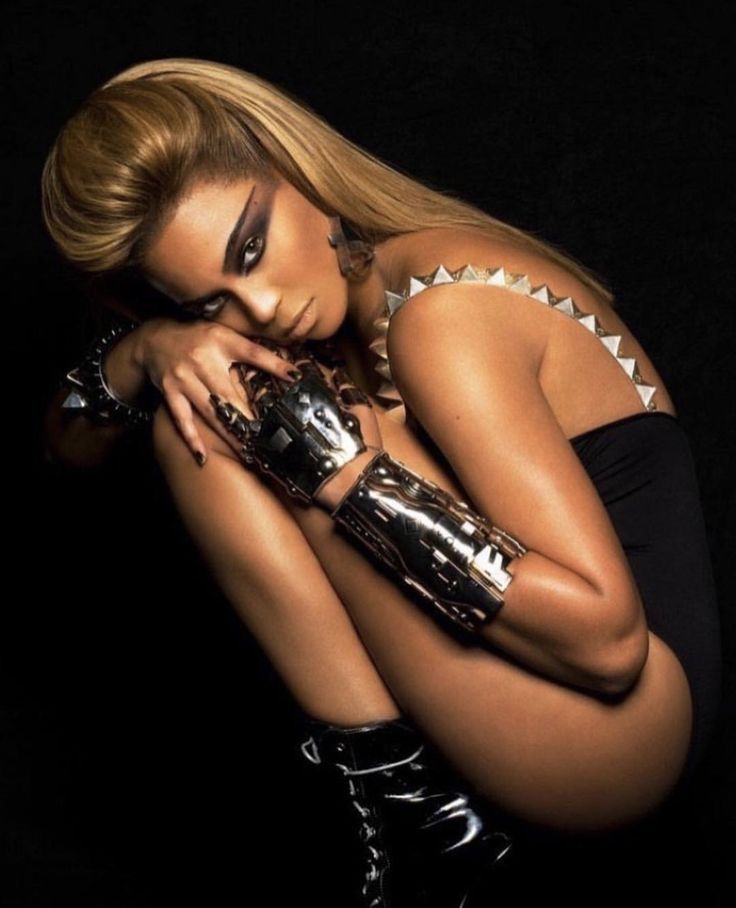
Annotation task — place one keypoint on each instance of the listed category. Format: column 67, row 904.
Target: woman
column 493, row 551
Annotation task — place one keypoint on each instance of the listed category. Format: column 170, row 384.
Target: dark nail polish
column 200, row 458
column 295, row 374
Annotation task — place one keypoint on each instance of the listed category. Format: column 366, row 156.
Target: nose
column 259, row 306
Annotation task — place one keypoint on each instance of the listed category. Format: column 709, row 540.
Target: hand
column 308, row 434
column 189, row 361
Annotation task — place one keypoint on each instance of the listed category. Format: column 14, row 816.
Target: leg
column 269, row 572
column 544, row 751
column 265, row 567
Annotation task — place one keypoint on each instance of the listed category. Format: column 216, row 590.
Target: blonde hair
column 137, row 145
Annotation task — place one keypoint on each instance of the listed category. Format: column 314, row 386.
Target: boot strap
column 363, row 749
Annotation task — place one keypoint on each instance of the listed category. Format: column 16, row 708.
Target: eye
column 259, row 241
column 214, row 306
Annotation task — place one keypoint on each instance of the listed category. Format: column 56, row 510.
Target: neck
column 366, row 302
column 366, row 299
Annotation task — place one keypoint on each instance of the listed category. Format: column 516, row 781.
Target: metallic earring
column 353, row 255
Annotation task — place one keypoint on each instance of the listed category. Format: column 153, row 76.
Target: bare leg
column 268, row 571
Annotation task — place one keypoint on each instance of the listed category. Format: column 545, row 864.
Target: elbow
column 624, row 649
column 624, row 658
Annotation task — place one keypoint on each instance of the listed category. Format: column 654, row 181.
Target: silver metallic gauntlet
column 302, row 434
column 435, row 543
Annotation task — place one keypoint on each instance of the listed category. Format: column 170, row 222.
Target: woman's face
column 252, row 255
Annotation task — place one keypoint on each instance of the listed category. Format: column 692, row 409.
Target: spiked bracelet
column 90, row 392
column 434, row 543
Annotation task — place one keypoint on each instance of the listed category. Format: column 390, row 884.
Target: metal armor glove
column 302, row 435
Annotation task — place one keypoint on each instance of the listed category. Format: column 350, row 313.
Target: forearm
column 551, row 620
column 72, row 438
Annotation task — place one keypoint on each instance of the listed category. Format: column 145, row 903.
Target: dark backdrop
column 148, row 751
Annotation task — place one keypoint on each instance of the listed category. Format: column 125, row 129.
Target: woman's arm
column 185, row 361
column 572, row 611
column 472, row 383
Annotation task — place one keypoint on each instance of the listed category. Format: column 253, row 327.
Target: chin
column 328, row 324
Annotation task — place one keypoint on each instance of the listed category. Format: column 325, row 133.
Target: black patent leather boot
column 427, row 839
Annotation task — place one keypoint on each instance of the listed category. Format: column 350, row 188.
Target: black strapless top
column 643, row 469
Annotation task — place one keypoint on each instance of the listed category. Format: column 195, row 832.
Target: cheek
column 307, row 261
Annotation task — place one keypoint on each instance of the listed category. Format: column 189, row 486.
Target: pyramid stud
column 379, row 346
column 567, row 306
column 389, row 390
column 590, row 322
column 441, row 276
column 384, row 369
column 542, row 294
column 520, row 284
column 74, row 401
column 74, row 376
column 646, row 392
column 612, row 342
column 394, row 301
column 468, row 273
column 628, row 364
column 416, row 285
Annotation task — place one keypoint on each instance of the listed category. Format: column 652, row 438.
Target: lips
column 299, row 314
column 301, row 325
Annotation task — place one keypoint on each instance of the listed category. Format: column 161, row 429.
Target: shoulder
column 467, row 312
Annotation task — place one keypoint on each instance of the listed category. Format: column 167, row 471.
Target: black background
column 148, row 750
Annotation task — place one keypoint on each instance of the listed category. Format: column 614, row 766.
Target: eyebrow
column 227, row 264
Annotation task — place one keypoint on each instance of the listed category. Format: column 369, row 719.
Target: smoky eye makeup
column 250, row 248
column 249, row 255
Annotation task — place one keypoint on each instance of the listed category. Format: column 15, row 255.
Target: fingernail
column 200, row 458
column 295, row 374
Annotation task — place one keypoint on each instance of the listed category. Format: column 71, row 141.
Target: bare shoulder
column 512, row 319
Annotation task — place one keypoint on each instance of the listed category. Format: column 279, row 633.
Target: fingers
column 263, row 386
column 181, row 413
column 229, row 414
column 262, row 354
column 235, row 423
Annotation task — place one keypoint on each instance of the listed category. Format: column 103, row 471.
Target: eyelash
column 214, row 306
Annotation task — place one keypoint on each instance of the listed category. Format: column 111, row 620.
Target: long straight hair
column 137, row 144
